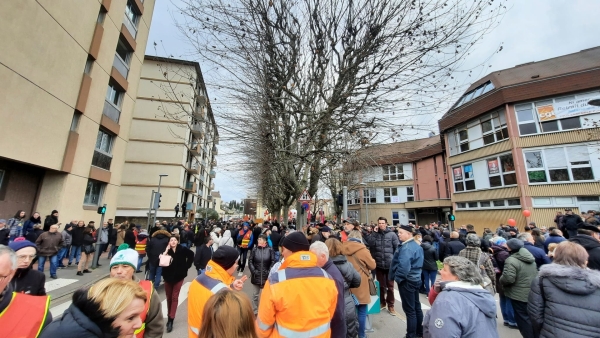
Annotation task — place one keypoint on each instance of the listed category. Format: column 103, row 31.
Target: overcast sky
column 532, row 30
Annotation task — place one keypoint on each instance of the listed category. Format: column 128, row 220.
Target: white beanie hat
column 125, row 256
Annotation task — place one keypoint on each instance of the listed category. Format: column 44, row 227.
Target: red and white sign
column 305, row 196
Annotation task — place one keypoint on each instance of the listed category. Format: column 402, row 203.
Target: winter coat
column 566, row 305
column 570, row 222
column 120, row 237
column 553, row 239
column 49, row 221
column 474, row 255
column 540, row 256
column 203, row 255
column 430, row 256
column 352, row 279
column 4, row 236
column 32, row 236
column 226, row 239
column 500, row 255
column 30, row 223
column 358, row 255
column 453, row 247
column 215, row 239
column 103, row 236
column 29, row 281
column 275, row 239
column 592, row 246
column 67, row 238
column 338, row 322
column 461, row 310
column 519, row 271
column 260, row 262
column 157, row 245
column 49, row 243
column 77, row 236
column 16, row 227
column 112, row 234
column 183, row 258
column 382, row 245
column 407, row 262
column 130, row 238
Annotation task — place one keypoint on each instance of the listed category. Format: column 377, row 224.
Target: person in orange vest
column 140, row 247
column 21, row 315
column 217, row 275
column 295, row 280
column 122, row 266
column 245, row 239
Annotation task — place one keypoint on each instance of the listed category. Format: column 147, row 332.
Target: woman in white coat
column 226, row 239
column 216, row 237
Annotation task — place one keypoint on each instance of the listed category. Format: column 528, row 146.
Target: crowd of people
column 548, row 285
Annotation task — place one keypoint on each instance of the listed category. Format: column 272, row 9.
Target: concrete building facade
column 526, row 138
column 70, row 72
column 173, row 132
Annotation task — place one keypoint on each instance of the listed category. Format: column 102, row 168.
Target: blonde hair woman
column 220, row 309
column 109, row 308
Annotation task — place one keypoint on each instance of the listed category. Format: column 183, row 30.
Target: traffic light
column 102, row 210
column 157, row 197
column 451, row 218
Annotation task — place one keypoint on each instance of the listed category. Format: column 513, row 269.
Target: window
column 93, row 193
column 410, row 194
column 75, row 121
column 122, row 58
column 473, row 94
column 101, row 17
column 89, row 64
column 103, row 151
column 485, row 204
column 501, row 171
column 473, row 205
column 114, row 95
column 563, row 164
column 460, row 205
column 390, row 195
column 353, row 197
column 463, row 178
column 132, row 17
column 1, row 177
column 369, row 195
column 494, row 129
column 412, row 217
column 393, row 172
column 479, row 132
column 508, row 204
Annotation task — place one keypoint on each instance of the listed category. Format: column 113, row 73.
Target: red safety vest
column 246, row 239
column 147, row 286
column 25, row 316
column 140, row 246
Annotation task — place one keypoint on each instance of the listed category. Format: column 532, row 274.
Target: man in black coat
column 588, row 236
column 156, row 246
column 76, row 243
column 382, row 244
column 569, row 223
column 454, row 246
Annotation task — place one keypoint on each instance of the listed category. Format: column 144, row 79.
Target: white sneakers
column 240, row 274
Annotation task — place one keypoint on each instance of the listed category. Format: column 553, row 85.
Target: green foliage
column 206, row 213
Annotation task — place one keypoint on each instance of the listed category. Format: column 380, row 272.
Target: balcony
column 130, row 26
column 101, row 160
column 197, row 130
column 216, row 139
column 121, row 66
column 209, row 198
column 203, row 163
column 212, row 186
column 195, row 148
column 112, row 111
column 190, row 187
column 215, row 150
column 201, row 177
column 212, row 174
column 199, row 112
column 213, row 163
column 193, row 168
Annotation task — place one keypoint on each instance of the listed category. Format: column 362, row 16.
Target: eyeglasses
column 24, row 257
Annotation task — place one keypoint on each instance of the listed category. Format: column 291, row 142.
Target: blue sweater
column 553, row 239
column 540, row 256
column 407, row 262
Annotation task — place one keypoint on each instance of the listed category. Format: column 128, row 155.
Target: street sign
column 305, row 196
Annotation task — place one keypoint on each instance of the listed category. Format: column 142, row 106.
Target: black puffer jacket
column 29, row 281
column 382, row 246
column 453, row 247
column 260, row 262
column 183, row 258
column 157, row 245
column 351, row 280
column 430, row 255
column 592, row 246
column 567, row 304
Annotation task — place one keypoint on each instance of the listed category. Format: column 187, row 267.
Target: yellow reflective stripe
column 285, row 332
column 142, row 328
column 262, row 325
column 45, row 315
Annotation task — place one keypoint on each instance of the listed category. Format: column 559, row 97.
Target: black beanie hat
column 296, row 241
column 225, row 256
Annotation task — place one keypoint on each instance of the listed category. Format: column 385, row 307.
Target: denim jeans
column 75, row 252
column 62, row 253
column 185, row 245
column 140, row 259
column 53, row 264
column 277, row 255
column 361, row 311
column 508, row 314
column 430, row 276
column 155, row 274
column 113, row 250
column 411, row 305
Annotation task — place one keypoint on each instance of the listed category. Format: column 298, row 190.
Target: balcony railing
column 197, row 129
column 212, row 174
column 130, row 26
column 101, row 160
column 195, row 148
column 214, row 163
column 121, row 66
column 112, row 111
column 215, row 150
column 201, row 178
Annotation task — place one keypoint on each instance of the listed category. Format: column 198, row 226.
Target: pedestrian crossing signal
column 102, row 210
column 452, row 218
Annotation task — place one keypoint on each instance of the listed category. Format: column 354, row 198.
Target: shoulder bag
column 164, row 259
column 372, row 288
column 487, row 282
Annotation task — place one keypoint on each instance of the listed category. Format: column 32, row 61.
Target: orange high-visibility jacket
column 213, row 279
column 288, row 305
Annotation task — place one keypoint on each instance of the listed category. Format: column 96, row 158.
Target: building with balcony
column 173, row 132
column 70, row 73
column 526, row 138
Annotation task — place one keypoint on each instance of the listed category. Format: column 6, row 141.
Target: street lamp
column 160, row 176
column 365, row 200
column 594, row 102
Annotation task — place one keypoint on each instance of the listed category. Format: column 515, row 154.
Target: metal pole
column 98, row 233
column 157, row 194
column 345, row 202
column 150, row 209
column 367, row 206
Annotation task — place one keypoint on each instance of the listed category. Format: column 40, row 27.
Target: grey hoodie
column 461, row 310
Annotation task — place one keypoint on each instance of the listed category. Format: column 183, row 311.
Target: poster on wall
column 395, row 199
column 457, row 173
column 493, row 167
column 569, row 108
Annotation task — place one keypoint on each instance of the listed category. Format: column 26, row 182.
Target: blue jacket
column 407, row 262
column 553, row 239
column 540, row 256
column 338, row 322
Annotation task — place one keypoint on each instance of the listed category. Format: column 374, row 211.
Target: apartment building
column 526, row 138
column 70, row 72
column 173, row 133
